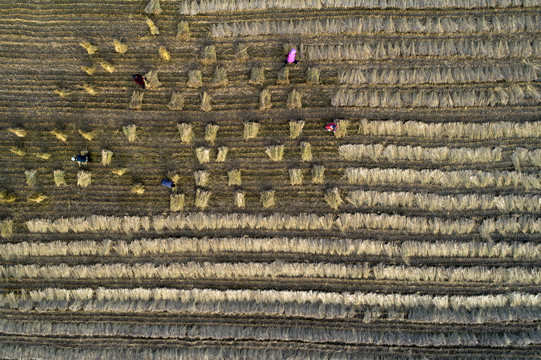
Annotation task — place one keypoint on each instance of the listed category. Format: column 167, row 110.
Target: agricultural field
column 412, row 232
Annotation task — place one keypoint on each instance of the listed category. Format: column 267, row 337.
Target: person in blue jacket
column 81, row 159
column 168, row 183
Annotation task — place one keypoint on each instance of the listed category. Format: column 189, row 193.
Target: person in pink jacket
column 290, row 58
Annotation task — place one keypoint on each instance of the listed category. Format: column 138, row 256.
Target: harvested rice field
column 412, row 231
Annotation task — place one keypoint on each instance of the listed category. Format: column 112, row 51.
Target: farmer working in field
column 290, row 58
column 168, row 183
column 331, row 127
column 81, row 159
column 139, row 79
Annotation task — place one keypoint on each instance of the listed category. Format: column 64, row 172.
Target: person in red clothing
column 331, row 127
column 139, row 79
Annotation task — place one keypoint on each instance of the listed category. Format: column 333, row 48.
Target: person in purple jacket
column 290, row 58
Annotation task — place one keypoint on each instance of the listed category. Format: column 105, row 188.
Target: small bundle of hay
column 59, row 178
column 201, row 178
column 176, row 102
column 205, row 102
column 267, row 198
column 186, row 133
column 332, row 197
column 91, row 49
column 294, row 100
column 341, row 128
column 220, row 77
column 88, row 70
column 152, row 27
column 275, row 152
column 89, row 89
column 6, row 228
column 18, row 131
column 136, row 100
column 195, row 79
column 31, row 178
column 164, row 54
column 239, row 199
column 242, row 51
column 138, row 189
column 306, row 151
column 44, row 156
column 234, row 177
column 202, row 198
column 130, row 132
column 6, row 197
column 107, row 66
column 63, row 93
column 318, row 174
column 17, row 151
column 183, row 30
column 250, row 130
column 202, row 154
column 119, row 47
column 153, row 7
column 151, row 80
column 211, row 131
column 295, row 176
column 106, row 157
column 312, row 76
column 119, row 172
column 257, row 76
column 84, row 178
column 59, row 135
column 265, row 100
column 295, row 128
column 88, row 135
column 176, row 202
column 209, row 54
column 222, row 154
column 282, row 78
column 37, row 197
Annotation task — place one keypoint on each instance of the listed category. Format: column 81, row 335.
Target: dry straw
column 84, row 178
column 119, row 172
column 106, row 157
column 242, row 51
column 306, row 151
column 153, row 7
column 31, row 178
column 91, row 49
column 312, row 76
column 205, row 102
column 239, row 199
column 265, row 100
column 211, row 130
column 341, row 128
column 220, row 77
column 208, row 54
column 164, row 53
column 201, row 178
column 6, row 228
column 63, row 93
column 88, row 135
column 222, row 154
column 59, row 178
column 176, row 202
column 138, row 189
column 89, row 89
column 282, row 77
column 152, row 27
column 332, row 197
column 183, row 30
column 195, row 79
column 234, row 177
column 295, row 176
column 136, row 100
column 294, row 100
column 119, row 47
column 43, row 156
column 88, row 70
column 250, row 130
column 18, row 131
column 177, row 101
column 6, row 197
column 17, row 151
column 523, row 156
column 107, row 66
column 186, row 133
column 318, row 172
column 257, row 76
column 295, row 128
column 130, row 132
column 151, row 80
column 202, row 198
column 37, row 198
column 202, row 154
column 59, row 135
column 275, row 152
column 267, row 199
